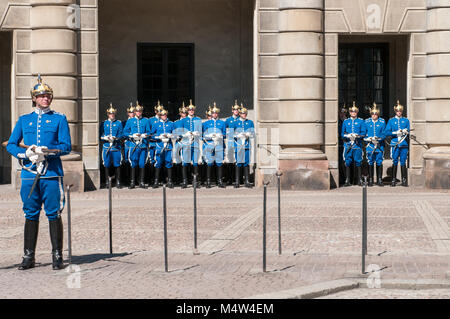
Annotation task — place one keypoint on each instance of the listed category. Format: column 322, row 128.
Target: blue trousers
column 374, row 157
column 163, row 158
column 353, row 156
column 151, row 155
column 113, row 158
column 399, row 153
column 48, row 191
column 188, row 154
column 213, row 154
column 138, row 158
column 242, row 156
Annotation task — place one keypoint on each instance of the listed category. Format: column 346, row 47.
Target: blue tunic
column 42, row 128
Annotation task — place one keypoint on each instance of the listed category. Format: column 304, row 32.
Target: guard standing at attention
column 398, row 128
column 111, row 133
column 375, row 147
column 353, row 132
column 46, row 136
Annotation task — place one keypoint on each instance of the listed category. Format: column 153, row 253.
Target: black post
column 279, row 174
column 166, row 267
column 69, row 226
column 265, row 226
column 195, row 212
column 110, row 215
column 364, row 226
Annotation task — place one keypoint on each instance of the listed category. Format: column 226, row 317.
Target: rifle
column 352, row 143
column 41, row 167
column 404, row 136
column 46, row 151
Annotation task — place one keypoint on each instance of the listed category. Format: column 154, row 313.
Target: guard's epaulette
column 382, row 120
column 58, row 113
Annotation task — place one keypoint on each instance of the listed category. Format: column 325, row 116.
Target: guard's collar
column 191, row 116
column 398, row 117
column 39, row 111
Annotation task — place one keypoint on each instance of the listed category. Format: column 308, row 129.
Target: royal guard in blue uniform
column 152, row 144
column 137, row 130
column 244, row 130
column 229, row 149
column 190, row 150
column 214, row 131
column 375, row 147
column 38, row 141
column 342, row 117
column 398, row 128
column 111, row 133
column 178, row 132
column 353, row 132
column 162, row 134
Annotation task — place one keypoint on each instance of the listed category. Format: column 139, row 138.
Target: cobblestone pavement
column 408, row 238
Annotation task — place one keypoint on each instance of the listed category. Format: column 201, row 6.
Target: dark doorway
column 165, row 73
column 5, row 105
column 364, row 76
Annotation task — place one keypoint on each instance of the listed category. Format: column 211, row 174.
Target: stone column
column 301, row 95
column 437, row 158
column 54, row 56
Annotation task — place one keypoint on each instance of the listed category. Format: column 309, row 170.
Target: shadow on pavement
column 89, row 259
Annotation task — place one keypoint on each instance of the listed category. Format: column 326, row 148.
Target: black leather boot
column 142, row 178
column 169, row 178
column 394, row 176
column 237, row 176
column 56, row 238
column 156, row 182
column 184, row 184
column 133, row 178
column 107, row 177
column 247, row 177
column 118, row 183
column 358, row 176
column 196, row 172
column 371, row 174
column 31, row 230
column 380, row 175
column 220, row 182
column 208, row 176
column 404, row 172
column 347, row 177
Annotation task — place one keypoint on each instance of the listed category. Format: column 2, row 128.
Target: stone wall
column 221, row 31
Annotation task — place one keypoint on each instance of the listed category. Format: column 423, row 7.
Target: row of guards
column 369, row 137
column 185, row 143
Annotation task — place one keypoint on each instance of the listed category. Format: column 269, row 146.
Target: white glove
column 40, row 150
column 169, row 135
column 196, row 133
column 248, row 134
column 136, row 136
column 368, row 139
column 105, row 138
column 352, row 137
column 187, row 134
column 35, row 154
column 405, row 131
column 374, row 141
column 111, row 139
column 165, row 140
column 398, row 133
column 144, row 135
